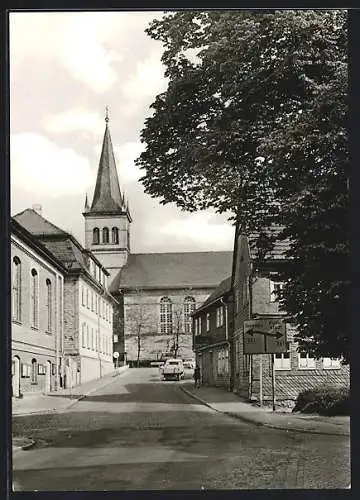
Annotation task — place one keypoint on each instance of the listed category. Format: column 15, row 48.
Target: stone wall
column 142, row 309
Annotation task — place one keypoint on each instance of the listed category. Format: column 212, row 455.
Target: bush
column 324, row 401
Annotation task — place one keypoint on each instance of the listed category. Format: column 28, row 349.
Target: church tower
column 107, row 220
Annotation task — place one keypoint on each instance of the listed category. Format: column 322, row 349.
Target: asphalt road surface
column 140, row 433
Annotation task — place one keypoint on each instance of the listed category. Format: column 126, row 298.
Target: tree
column 253, row 123
column 138, row 320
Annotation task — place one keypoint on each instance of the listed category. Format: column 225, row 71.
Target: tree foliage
column 253, row 123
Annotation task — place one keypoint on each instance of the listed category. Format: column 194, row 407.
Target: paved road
column 142, row 433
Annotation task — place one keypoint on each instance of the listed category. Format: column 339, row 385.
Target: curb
column 83, row 396
column 27, row 446
column 73, row 402
column 262, row 424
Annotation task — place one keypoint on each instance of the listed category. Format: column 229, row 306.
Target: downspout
column 227, row 334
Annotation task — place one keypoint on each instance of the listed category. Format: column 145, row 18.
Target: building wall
column 143, row 307
column 214, row 365
column 30, row 343
column 290, row 381
column 88, row 332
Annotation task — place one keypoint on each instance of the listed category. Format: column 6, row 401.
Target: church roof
column 173, row 270
column 107, row 195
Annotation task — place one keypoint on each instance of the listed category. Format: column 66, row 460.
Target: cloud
column 200, row 228
column 147, row 81
column 80, row 41
column 38, row 164
column 74, row 119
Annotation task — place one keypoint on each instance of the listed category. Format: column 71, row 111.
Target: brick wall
column 71, row 316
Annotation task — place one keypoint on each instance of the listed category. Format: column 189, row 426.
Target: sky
column 65, row 68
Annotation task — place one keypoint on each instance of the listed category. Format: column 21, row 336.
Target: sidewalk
column 61, row 399
column 233, row 405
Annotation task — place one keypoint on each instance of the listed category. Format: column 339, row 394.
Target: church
column 156, row 292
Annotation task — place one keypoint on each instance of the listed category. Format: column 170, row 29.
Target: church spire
column 107, row 195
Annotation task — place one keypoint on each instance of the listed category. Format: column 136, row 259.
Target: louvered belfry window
column 115, row 235
column 105, row 235
column 165, row 315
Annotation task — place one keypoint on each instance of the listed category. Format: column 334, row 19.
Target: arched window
column 105, row 235
column 34, row 298
column 115, row 236
column 165, row 315
column 34, row 369
column 16, row 289
column 49, row 302
column 189, row 308
column 96, row 236
column 208, row 322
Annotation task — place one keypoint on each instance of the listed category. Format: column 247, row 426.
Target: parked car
column 173, row 369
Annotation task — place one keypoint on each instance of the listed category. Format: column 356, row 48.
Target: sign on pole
column 264, row 335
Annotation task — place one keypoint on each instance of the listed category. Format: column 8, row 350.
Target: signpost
column 265, row 336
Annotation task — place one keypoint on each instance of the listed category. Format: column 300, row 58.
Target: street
column 139, row 432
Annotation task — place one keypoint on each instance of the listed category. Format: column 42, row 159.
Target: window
column 82, row 295
column 92, row 300
column 208, row 322
column 49, row 301
column 165, row 315
column 96, row 236
column 105, row 235
column 34, row 299
column 116, row 338
column 115, row 235
column 189, row 308
column 331, row 363
column 92, row 339
column 306, row 361
column 16, row 289
column 34, row 371
column 219, row 316
column 275, row 287
column 87, row 298
column 87, row 337
column 83, row 329
column 282, row 361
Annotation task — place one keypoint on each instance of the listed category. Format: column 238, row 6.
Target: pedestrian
column 197, row 376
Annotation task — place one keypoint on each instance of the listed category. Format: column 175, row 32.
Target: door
column 48, row 377
column 15, row 372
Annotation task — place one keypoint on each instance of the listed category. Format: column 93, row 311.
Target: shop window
column 306, row 362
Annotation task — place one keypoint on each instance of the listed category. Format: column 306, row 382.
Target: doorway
column 15, row 372
column 48, row 377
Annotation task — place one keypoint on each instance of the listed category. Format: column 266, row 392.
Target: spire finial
column 106, row 114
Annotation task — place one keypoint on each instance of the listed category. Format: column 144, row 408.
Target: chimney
column 38, row 209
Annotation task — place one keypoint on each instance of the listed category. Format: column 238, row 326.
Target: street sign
column 116, row 354
column 264, row 336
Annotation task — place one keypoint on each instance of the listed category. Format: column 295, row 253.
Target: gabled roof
column 18, row 230
column 62, row 245
column 280, row 246
column 173, row 270
column 107, row 195
column 219, row 292
column 36, row 224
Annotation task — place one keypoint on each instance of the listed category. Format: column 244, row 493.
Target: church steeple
column 107, row 195
column 107, row 220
